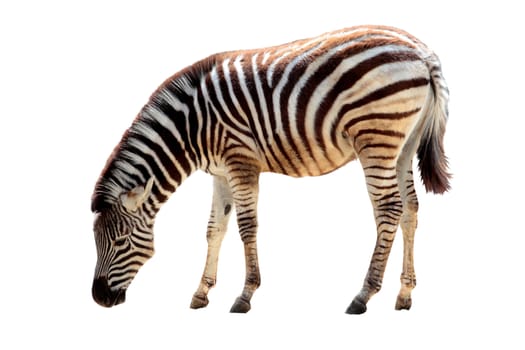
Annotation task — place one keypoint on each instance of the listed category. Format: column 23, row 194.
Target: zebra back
column 290, row 106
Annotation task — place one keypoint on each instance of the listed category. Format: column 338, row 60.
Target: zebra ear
column 133, row 199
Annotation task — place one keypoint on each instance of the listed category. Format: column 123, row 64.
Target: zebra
column 306, row 108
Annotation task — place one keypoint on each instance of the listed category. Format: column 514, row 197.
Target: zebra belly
column 311, row 158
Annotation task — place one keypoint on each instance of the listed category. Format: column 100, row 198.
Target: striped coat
column 305, row 108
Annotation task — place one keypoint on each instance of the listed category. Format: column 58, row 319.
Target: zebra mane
column 119, row 173
column 105, row 193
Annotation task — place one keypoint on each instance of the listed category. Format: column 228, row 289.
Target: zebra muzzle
column 104, row 296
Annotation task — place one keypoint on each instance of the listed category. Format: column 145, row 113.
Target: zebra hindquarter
column 385, row 138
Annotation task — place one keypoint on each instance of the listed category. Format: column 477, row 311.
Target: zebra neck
column 156, row 147
column 166, row 142
column 162, row 147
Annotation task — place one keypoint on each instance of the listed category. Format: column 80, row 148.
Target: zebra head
column 124, row 240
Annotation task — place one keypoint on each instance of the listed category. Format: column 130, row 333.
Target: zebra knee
column 388, row 215
column 411, row 204
column 248, row 229
column 408, row 220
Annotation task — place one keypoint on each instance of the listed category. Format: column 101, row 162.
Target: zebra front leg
column 222, row 205
column 384, row 194
column 244, row 182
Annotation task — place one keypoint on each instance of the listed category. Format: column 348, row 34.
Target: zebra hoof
column 199, row 301
column 357, row 307
column 241, row 306
column 403, row 303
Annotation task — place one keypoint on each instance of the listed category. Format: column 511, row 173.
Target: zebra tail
column 433, row 164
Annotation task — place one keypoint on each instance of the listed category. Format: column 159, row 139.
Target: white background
column 73, row 75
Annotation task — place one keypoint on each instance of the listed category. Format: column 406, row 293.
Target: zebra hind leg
column 222, row 205
column 408, row 226
column 382, row 184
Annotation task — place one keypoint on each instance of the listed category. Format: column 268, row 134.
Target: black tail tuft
column 433, row 164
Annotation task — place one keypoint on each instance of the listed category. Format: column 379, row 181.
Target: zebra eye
column 120, row 241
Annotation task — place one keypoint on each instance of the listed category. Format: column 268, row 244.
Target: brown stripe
column 390, row 133
column 384, row 116
column 383, row 92
column 377, row 145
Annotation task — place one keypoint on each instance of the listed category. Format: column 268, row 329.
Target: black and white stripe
column 300, row 109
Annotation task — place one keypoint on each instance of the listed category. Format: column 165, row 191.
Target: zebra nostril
column 105, row 296
column 101, row 292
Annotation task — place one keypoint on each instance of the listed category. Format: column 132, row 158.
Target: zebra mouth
column 121, row 297
column 105, row 296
